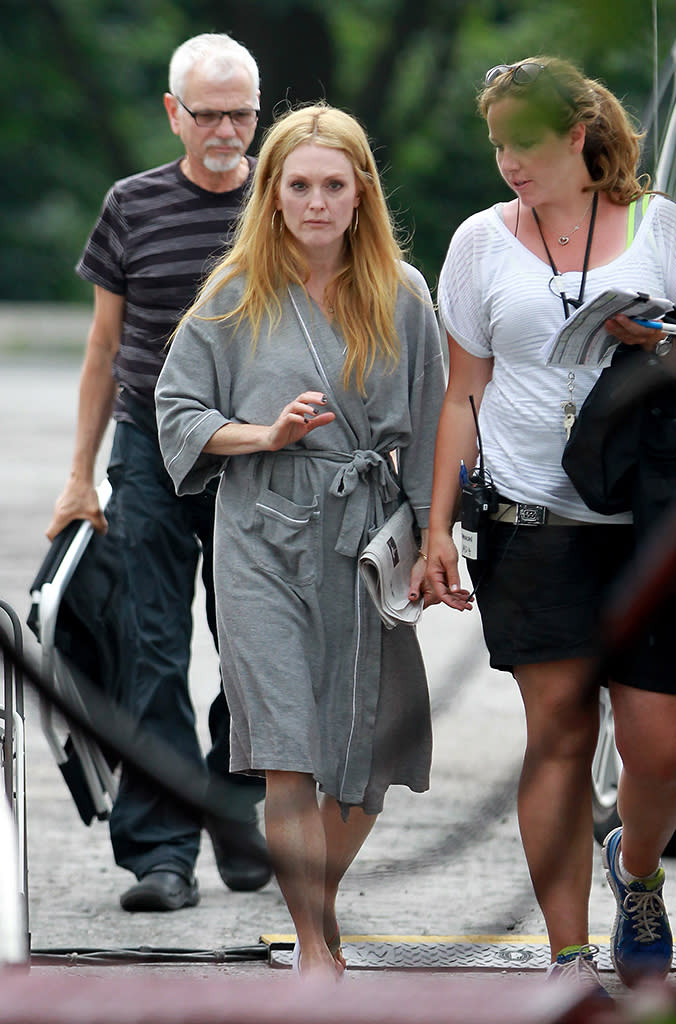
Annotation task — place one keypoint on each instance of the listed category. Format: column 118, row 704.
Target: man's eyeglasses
column 243, row 118
column 526, row 74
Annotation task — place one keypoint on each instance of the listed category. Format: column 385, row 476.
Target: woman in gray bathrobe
column 308, row 368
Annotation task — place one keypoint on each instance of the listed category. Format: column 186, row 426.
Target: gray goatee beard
column 220, row 163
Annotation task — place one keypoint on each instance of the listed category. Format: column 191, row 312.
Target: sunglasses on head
column 526, row 74
column 521, row 74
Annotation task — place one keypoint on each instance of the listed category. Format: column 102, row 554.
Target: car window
column 659, row 152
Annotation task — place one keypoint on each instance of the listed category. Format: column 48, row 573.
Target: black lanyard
column 575, row 303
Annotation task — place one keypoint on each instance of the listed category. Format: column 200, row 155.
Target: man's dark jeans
column 161, row 538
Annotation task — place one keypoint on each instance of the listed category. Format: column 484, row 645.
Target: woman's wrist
column 440, row 530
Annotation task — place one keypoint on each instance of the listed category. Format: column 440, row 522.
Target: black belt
column 532, row 515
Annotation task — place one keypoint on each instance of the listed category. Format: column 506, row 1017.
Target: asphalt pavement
column 440, row 887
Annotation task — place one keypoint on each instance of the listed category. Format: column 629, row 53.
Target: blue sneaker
column 641, row 942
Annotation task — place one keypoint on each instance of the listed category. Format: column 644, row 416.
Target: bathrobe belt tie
column 353, row 482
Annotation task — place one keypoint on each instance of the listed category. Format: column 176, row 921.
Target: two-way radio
column 479, row 499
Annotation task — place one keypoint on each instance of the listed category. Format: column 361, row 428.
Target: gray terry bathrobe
column 313, row 680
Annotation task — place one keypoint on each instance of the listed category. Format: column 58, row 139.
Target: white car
column 661, row 163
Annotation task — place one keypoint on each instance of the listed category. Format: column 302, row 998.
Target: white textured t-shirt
column 495, row 301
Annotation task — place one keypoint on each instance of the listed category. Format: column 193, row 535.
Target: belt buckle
column 530, row 515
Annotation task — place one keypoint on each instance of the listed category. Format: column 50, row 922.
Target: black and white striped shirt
column 156, row 238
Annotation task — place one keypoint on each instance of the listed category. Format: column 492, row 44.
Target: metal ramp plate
column 438, row 953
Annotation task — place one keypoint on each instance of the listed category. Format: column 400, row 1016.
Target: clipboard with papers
column 583, row 339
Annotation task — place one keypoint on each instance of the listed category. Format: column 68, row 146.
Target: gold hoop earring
column 355, row 222
column 273, row 226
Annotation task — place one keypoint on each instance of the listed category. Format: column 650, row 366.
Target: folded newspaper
column 584, row 341
column 386, row 564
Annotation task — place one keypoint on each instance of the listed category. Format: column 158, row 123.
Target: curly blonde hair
column 561, row 97
column 269, row 258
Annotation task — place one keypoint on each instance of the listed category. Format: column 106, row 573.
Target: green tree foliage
column 82, row 82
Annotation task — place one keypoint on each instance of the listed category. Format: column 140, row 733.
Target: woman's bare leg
column 297, row 846
column 344, row 839
column 555, row 815
column 645, row 726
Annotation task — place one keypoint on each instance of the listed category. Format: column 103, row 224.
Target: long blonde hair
column 268, row 257
column 560, row 97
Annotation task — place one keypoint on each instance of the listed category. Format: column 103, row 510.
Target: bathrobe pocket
column 287, row 537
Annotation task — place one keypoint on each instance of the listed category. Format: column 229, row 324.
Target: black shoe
column 161, row 889
column 241, row 871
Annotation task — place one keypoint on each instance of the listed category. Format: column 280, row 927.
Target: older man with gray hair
column 156, row 236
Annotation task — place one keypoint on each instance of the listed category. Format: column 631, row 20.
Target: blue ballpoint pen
column 657, row 325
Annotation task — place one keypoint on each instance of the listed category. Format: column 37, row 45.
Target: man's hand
column 78, row 500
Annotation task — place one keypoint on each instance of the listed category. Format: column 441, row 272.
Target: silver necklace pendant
column 564, row 239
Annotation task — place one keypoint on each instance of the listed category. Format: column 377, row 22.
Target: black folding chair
column 77, row 614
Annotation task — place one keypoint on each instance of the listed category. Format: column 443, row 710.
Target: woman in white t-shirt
column 541, row 561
